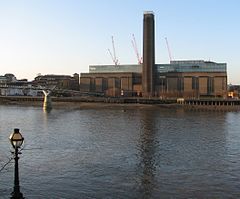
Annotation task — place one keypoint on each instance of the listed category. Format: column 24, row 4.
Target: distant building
column 234, row 91
column 17, row 90
column 187, row 78
column 3, row 79
column 10, row 77
column 7, row 78
column 10, row 86
column 59, row 81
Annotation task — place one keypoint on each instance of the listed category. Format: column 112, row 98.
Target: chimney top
column 148, row 12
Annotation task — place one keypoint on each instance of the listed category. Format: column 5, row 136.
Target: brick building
column 188, row 79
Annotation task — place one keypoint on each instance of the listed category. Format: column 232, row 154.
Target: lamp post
column 16, row 140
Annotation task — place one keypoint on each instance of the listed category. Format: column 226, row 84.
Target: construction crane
column 169, row 51
column 113, row 55
column 134, row 44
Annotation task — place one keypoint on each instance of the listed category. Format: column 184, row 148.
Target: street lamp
column 16, row 140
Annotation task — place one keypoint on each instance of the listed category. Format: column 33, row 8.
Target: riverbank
column 83, row 103
column 121, row 103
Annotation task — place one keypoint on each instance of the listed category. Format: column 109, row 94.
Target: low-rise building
column 234, row 91
column 19, row 88
column 3, row 79
column 58, row 81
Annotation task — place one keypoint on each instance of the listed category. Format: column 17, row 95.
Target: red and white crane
column 113, row 55
column 134, row 44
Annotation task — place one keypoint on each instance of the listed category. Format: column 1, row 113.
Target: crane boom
column 169, row 51
column 113, row 55
column 114, row 51
column 134, row 44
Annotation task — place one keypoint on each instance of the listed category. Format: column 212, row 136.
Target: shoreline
column 92, row 105
column 108, row 103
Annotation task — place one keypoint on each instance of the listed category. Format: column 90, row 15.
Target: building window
column 180, row 84
column 210, row 85
column 137, row 80
column 162, row 81
column 195, row 83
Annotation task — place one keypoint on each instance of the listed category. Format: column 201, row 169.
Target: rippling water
column 122, row 153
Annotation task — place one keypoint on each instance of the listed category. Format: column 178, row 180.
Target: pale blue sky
column 66, row 36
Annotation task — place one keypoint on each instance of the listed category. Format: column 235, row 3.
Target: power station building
column 186, row 78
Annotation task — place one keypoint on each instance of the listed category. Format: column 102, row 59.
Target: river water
column 122, row 153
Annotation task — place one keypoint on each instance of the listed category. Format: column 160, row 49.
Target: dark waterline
column 131, row 153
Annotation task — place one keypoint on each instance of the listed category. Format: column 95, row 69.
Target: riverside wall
column 196, row 104
column 16, row 99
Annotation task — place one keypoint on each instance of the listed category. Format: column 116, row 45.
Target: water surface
column 122, row 153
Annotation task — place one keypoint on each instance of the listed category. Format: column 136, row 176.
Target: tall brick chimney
column 148, row 55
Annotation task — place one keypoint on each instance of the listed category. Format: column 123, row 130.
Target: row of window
column 195, row 84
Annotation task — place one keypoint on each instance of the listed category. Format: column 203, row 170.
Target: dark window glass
column 195, row 83
column 210, row 85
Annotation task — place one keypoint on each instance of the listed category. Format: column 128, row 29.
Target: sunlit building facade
column 188, row 79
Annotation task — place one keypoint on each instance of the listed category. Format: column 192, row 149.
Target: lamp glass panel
column 16, row 139
column 17, row 143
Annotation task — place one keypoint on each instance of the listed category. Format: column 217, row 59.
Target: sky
column 66, row 36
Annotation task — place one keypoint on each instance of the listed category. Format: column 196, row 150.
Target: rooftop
column 174, row 66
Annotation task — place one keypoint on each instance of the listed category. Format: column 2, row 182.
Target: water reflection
column 179, row 154
column 147, row 148
column 47, row 110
